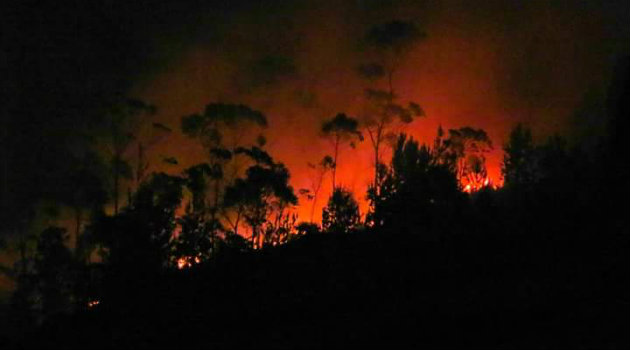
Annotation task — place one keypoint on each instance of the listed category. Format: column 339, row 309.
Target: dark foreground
column 502, row 291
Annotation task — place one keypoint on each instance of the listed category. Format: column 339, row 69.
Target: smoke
column 485, row 64
column 488, row 65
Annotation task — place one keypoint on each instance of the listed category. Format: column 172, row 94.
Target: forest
column 227, row 252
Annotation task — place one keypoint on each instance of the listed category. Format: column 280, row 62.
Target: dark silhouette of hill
column 462, row 291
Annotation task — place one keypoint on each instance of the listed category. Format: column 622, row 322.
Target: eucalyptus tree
column 318, row 172
column 153, row 135
column 222, row 128
column 54, row 268
column 419, row 189
column 264, row 190
column 122, row 121
column 519, row 165
column 341, row 215
column 139, row 238
column 196, row 241
column 468, row 147
column 196, row 180
column 339, row 130
column 387, row 44
column 84, row 188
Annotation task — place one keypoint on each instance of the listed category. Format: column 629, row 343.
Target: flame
column 477, row 185
column 187, row 261
column 93, row 303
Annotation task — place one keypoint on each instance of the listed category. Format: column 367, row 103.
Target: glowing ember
column 187, row 261
column 474, row 186
column 93, row 303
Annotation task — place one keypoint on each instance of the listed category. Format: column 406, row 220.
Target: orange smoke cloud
column 460, row 75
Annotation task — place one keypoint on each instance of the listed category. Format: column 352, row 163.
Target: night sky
column 487, row 65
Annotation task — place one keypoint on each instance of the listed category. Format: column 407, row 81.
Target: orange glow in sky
column 458, row 75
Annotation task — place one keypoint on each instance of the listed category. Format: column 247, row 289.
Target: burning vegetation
column 272, row 204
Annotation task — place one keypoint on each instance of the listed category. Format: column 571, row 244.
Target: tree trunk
column 238, row 218
column 315, row 192
column 215, row 209
column 376, row 170
column 334, row 170
column 140, row 167
column 376, row 163
column 78, row 219
column 116, row 173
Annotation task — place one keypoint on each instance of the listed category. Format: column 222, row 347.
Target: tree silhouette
column 137, row 240
column 197, row 238
column 25, row 311
column 264, row 189
column 317, row 177
column 307, row 228
column 122, row 122
column 519, row 161
column 197, row 183
column 388, row 42
column 418, row 190
column 341, row 215
column 220, row 120
column 467, row 148
column 222, row 128
column 380, row 121
column 561, row 170
column 338, row 130
column 54, row 268
column 279, row 226
column 82, row 186
column 153, row 135
column 196, row 241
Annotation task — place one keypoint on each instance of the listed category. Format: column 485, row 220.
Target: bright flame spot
column 474, row 186
column 187, row 261
column 93, row 303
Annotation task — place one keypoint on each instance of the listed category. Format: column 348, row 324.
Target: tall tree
column 198, row 236
column 196, row 240
column 419, row 189
column 148, row 138
column 222, row 128
column 197, row 182
column 467, row 147
column 318, row 172
column 339, row 130
column 519, row 159
column 122, row 123
column 138, row 239
column 264, row 189
column 341, row 215
column 388, row 44
column 85, row 190
column 54, row 267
